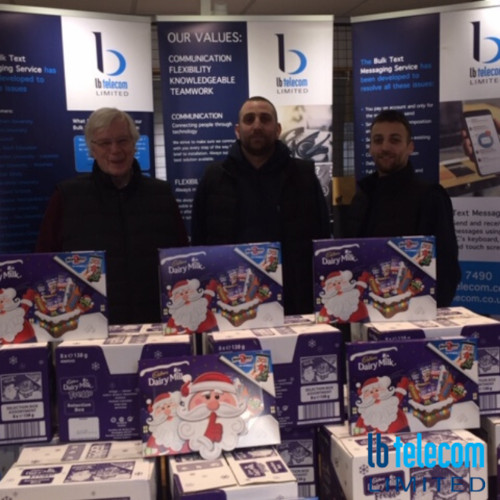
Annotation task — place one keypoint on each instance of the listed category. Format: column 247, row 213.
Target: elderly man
column 117, row 209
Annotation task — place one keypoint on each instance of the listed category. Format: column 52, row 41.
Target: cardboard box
column 308, row 369
column 240, row 475
column 26, row 393
column 491, row 428
column 53, row 296
column 223, row 287
column 79, row 452
column 412, row 385
column 363, row 475
column 299, row 449
column 133, row 479
column 374, row 279
column 98, row 384
column 208, row 404
column 456, row 321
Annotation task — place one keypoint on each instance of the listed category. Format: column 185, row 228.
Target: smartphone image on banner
column 485, row 142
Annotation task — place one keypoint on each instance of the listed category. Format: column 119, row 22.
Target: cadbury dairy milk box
column 374, row 279
column 223, row 287
column 52, row 296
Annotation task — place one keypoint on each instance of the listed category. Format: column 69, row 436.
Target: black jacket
column 281, row 201
column 129, row 224
column 403, row 204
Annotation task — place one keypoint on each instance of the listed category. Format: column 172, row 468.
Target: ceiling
column 341, row 9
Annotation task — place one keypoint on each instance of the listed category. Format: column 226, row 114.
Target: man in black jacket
column 394, row 201
column 260, row 193
column 117, row 209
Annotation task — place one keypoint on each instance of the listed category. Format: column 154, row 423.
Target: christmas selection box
column 133, row 479
column 52, row 296
column 456, row 321
column 412, row 385
column 98, row 384
column 361, row 476
column 223, row 287
column 308, row 369
column 374, row 279
column 208, row 404
column 258, row 472
column 26, row 393
column 299, row 449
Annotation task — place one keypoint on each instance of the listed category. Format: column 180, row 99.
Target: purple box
column 26, row 396
column 452, row 321
column 412, row 385
column 374, row 279
column 221, row 287
column 52, row 296
column 308, row 369
column 208, row 404
column 98, row 384
column 299, row 450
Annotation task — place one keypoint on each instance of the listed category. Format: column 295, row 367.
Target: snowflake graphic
column 158, row 355
column 13, row 360
column 96, row 366
column 311, row 344
column 363, row 470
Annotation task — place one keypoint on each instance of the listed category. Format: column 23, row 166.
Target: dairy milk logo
column 180, row 264
column 373, row 361
column 334, row 256
column 8, row 270
column 164, row 376
column 120, row 58
column 290, row 84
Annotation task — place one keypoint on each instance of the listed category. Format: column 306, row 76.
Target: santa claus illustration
column 342, row 298
column 211, row 411
column 162, row 423
column 379, row 406
column 189, row 307
column 14, row 326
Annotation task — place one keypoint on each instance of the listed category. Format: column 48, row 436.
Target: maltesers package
column 309, row 369
column 52, row 296
column 374, row 279
column 258, row 472
column 413, row 385
column 223, row 287
column 455, row 321
column 208, row 404
column 98, row 384
column 26, row 393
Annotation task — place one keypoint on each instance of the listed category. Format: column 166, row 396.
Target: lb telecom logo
column 109, row 86
column 290, row 84
column 485, row 74
column 437, row 467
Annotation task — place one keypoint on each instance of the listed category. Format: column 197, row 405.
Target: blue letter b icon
column 382, row 452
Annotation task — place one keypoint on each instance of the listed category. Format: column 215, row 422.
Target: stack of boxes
column 292, row 405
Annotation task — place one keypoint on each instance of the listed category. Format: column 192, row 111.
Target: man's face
column 390, row 147
column 113, row 148
column 257, row 128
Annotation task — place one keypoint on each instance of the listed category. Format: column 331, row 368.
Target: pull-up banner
column 56, row 67
column 210, row 67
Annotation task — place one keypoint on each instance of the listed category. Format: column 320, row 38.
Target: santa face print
column 212, row 400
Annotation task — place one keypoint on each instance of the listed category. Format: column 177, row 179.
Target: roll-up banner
column 210, row 66
column 56, row 67
column 441, row 67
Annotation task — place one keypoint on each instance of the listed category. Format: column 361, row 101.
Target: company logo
column 122, row 63
column 291, row 85
column 485, row 75
column 106, row 87
column 477, row 44
column 447, row 457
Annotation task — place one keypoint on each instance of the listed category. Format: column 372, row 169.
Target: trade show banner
column 56, row 67
column 442, row 70
column 210, row 67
